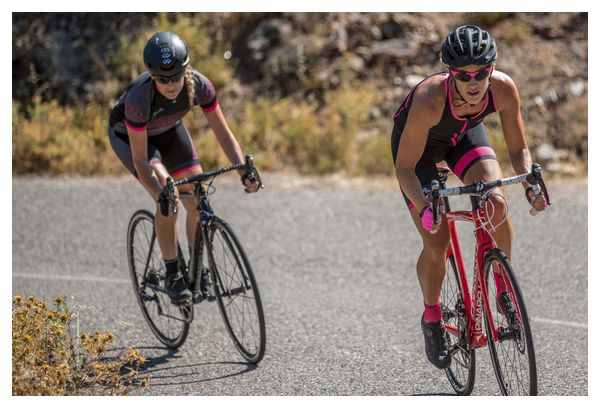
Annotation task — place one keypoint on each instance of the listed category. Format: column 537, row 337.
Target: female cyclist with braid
column 441, row 120
column 148, row 136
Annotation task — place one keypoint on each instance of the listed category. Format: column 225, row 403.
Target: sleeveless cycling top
column 142, row 107
column 451, row 128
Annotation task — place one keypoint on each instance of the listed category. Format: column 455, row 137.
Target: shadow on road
column 153, row 366
column 434, row 394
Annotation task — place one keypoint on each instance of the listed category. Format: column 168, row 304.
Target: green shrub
column 515, row 32
column 56, row 139
column 487, row 19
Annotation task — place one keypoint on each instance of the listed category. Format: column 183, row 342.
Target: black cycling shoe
column 206, row 285
column 177, row 289
column 436, row 343
column 507, row 309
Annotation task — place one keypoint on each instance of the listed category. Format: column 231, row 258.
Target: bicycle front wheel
column 236, row 291
column 169, row 323
column 513, row 355
column 461, row 372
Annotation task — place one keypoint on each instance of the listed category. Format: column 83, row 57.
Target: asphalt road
column 335, row 265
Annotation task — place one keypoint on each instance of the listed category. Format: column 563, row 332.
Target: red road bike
column 465, row 312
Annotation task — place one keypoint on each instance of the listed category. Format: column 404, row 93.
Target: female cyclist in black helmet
column 148, row 136
column 441, row 120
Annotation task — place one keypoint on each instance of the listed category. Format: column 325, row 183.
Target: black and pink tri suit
column 460, row 141
column 142, row 107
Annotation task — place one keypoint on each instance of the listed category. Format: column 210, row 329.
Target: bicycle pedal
column 181, row 302
column 197, row 297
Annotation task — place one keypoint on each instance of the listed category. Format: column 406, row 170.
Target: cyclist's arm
column 139, row 151
column 225, row 136
column 509, row 107
column 426, row 110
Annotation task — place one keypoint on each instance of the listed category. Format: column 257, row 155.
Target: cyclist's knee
column 437, row 244
column 496, row 208
column 191, row 208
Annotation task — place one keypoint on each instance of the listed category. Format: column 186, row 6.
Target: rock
column 375, row 113
column 356, row 63
column 396, row 48
column 545, row 153
column 539, row 101
column 268, row 34
column 552, row 95
column 413, row 80
column 340, row 37
column 577, row 88
column 376, row 32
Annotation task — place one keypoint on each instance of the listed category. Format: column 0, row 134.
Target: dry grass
column 50, row 359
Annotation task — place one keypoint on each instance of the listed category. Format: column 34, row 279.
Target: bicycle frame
column 205, row 211
column 207, row 216
column 201, row 235
column 479, row 304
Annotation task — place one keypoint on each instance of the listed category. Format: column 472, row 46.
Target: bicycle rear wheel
column 461, row 372
column 513, row 356
column 236, row 291
column 169, row 323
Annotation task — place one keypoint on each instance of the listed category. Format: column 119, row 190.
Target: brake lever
column 251, row 169
column 171, row 194
column 434, row 199
column 537, row 184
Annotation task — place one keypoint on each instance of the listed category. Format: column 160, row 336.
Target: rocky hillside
column 303, row 57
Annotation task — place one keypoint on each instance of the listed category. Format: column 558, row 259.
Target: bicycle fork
column 477, row 304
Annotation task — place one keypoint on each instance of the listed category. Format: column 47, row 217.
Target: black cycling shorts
column 472, row 148
column 173, row 148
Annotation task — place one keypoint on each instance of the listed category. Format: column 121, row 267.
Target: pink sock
column 433, row 314
column 500, row 286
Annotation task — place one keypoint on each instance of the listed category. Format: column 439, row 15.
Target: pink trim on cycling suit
column 448, row 91
column 193, row 166
column 399, row 111
column 455, row 137
column 211, row 108
column 411, row 206
column 136, row 129
column 494, row 100
column 468, row 158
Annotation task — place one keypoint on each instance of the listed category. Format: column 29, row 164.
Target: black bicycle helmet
column 165, row 54
column 469, row 45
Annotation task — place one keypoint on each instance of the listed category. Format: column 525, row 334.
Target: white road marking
column 87, row 278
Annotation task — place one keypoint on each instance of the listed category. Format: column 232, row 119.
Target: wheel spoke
column 461, row 373
column 168, row 322
column 512, row 359
column 237, row 299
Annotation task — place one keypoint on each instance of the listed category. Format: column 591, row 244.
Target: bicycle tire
column 517, row 339
column 169, row 323
column 461, row 373
column 236, row 291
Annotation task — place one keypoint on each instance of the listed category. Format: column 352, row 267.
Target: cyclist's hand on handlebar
column 251, row 183
column 163, row 201
column 536, row 199
column 426, row 216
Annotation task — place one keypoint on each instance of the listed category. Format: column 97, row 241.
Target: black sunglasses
column 166, row 80
column 466, row 76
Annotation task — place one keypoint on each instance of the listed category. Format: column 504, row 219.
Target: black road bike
column 229, row 271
